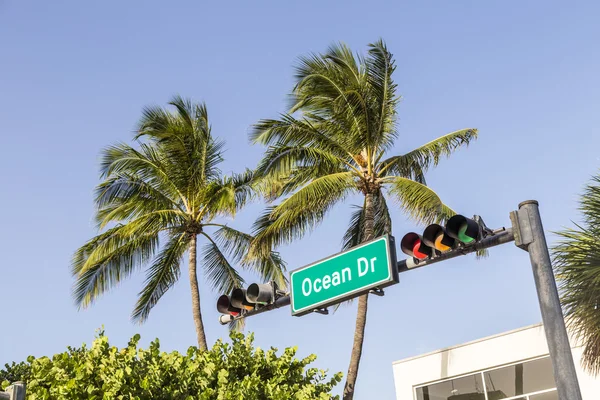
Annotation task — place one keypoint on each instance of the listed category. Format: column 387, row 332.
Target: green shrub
column 15, row 372
column 227, row 371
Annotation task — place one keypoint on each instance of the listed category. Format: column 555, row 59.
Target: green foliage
column 155, row 196
column 14, row 372
column 334, row 142
column 577, row 265
column 225, row 372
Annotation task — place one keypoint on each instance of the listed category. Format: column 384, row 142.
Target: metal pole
column 499, row 238
column 280, row 302
column 532, row 233
column 16, row 391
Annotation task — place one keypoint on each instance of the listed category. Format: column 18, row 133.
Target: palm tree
column 338, row 147
column 577, row 266
column 154, row 202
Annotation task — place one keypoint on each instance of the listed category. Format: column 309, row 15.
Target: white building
column 512, row 365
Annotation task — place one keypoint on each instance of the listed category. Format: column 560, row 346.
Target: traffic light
column 413, row 245
column 238, row 299
column 459, row 231
column 242, row 301
column 463, row 229
column 260, row 293
column 224, row 306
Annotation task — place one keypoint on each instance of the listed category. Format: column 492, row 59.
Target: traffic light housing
column 224, row 306
column 241, row 301
column 260, row 293
column 413, row 245
column 436, row 239
column 463, row 229
column 238, row 299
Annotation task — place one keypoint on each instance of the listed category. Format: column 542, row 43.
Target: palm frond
column 161, row 276
column 282, row 161
column 291, row 132
column 418, row 201
column 236, row 244
column 190, row 153
column 147, row 164
column 576, row 260
column 379, row 70
column 220, row 274
column 354, row 235
column 107, row 259
column 125, row 198
column 301, row 212
column 226, row 196
column 318, row 193
column 237, row 325
column 320, row 83
column 428, row 154
column 270, row 231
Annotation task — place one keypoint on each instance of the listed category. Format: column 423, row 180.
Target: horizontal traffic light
column 240, row 301
column 260, row 293
column 224, row 306
column 463, row 229
column 435, row 236
column 413, row 245
column 459, row 231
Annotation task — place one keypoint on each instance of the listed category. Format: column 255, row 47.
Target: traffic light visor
column 462, row 229
column 435, row 236
column 261, row 293
column 224, row 306
column 238, row 299
column 412, row 245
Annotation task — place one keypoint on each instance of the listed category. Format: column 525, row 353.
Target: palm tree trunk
column 196, row 295
column 361, row 317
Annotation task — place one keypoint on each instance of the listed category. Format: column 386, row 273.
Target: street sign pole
column 371, row 266
column 530, row 237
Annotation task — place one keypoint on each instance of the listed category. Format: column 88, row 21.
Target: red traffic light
column 412, row 244
column 224, row 306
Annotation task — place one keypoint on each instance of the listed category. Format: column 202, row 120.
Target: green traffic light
column 462, row 236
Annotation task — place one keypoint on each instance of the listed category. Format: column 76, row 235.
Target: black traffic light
column 413, row 245
column 238, row 299
column 261, row 293
column 224, row 306
column 459, row 231
column 463, row 229
column 241, row 301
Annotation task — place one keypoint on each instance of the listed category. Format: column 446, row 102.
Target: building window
column 454, row 387
column 530, row 380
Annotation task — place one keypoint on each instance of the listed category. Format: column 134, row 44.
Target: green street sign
column 344, row 275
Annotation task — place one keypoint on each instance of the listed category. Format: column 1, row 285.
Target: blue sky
column 74, row 77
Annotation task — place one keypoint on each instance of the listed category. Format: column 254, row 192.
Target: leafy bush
column 15, row 372
column 227, row 371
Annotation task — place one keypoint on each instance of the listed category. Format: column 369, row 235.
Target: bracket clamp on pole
column 377, row 291
column 521, row 228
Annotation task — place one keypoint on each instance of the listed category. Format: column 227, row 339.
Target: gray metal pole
column 530, row 224
column 280, row 302
column 16, row 391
